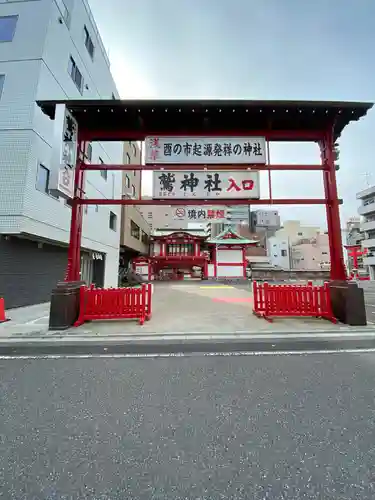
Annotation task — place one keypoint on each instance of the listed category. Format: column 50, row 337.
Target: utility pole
column 367, row 176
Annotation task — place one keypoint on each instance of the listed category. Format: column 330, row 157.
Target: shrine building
column 183, row 255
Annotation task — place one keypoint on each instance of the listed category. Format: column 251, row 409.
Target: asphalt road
column 195, row 427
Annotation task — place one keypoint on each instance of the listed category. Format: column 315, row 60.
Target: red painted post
column 338, row 271
column 149, row 302
column 266, row 299
column 73, row 268
column 244, row 262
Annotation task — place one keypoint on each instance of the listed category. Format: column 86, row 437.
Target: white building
column 50, row 49
column 267, row 219
column 280, row 245
column 367, row 211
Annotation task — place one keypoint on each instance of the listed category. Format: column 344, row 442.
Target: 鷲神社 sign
column 205, row 150
column 204, row 184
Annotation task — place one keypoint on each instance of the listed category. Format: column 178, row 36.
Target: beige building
column 135, row 230
column 295, row 246
column 294, row 231
column 159, row 216
column 311, row 254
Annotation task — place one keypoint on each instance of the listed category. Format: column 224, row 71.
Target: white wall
column 228, row 256
column 277, row 246
column 35, row 65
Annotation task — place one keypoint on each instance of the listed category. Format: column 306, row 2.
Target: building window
column 283, row 253
column 88, row 42
column 300, row 234
column 42, row 179
column 7, row 28
column 112, row 221
column 103, row 173
column 75, row 74
column 2, row 79
column 135, row 230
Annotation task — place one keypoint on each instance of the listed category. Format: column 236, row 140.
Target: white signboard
column 205, row 150
column 65, row 182
column 203, row 184
column 200, row 214
column 64, row 153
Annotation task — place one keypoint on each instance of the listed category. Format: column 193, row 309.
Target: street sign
column 203, row 184
column 200, row 214
column 205, row 150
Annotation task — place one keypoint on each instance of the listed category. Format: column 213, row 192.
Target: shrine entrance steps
column 207, row 308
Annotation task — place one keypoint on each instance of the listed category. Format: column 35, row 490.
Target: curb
column 163, row 345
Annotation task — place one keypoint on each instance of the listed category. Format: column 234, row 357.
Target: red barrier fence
column 356, row 276
column 292, row 300
column 115, row 303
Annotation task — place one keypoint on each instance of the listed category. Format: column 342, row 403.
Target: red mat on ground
column 233, row 299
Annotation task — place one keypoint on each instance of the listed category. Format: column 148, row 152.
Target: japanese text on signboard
column 205, row 150
column 200, row 214
column 202, row 184
column 64, row 153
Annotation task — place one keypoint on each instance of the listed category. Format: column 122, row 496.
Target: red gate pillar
column 338, row 271
column 74, row 250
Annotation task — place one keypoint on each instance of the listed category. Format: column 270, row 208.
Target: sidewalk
column 178, row 309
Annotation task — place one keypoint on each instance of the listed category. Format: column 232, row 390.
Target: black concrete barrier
column 348, row 303
column 64, row 309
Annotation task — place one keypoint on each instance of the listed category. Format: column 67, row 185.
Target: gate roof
column 200, row 117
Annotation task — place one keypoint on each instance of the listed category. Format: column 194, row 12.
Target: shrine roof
column 200, row 117
column 175, row 233
column 230, row 236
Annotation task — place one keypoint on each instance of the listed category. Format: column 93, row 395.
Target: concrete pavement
column 182, row 313
column 177, row 308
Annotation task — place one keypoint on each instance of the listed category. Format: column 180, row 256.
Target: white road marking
column 182, row 354
column 35, row 320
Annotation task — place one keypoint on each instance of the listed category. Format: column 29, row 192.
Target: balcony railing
column 366, row 209
column 368, row 225
column 370, row 243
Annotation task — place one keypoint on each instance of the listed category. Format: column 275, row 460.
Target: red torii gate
column 355, row 251
column 114, row 120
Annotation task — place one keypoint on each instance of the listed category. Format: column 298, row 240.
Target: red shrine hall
column 182, row 254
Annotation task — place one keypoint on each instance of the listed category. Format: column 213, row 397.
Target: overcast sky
column 252, row 49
